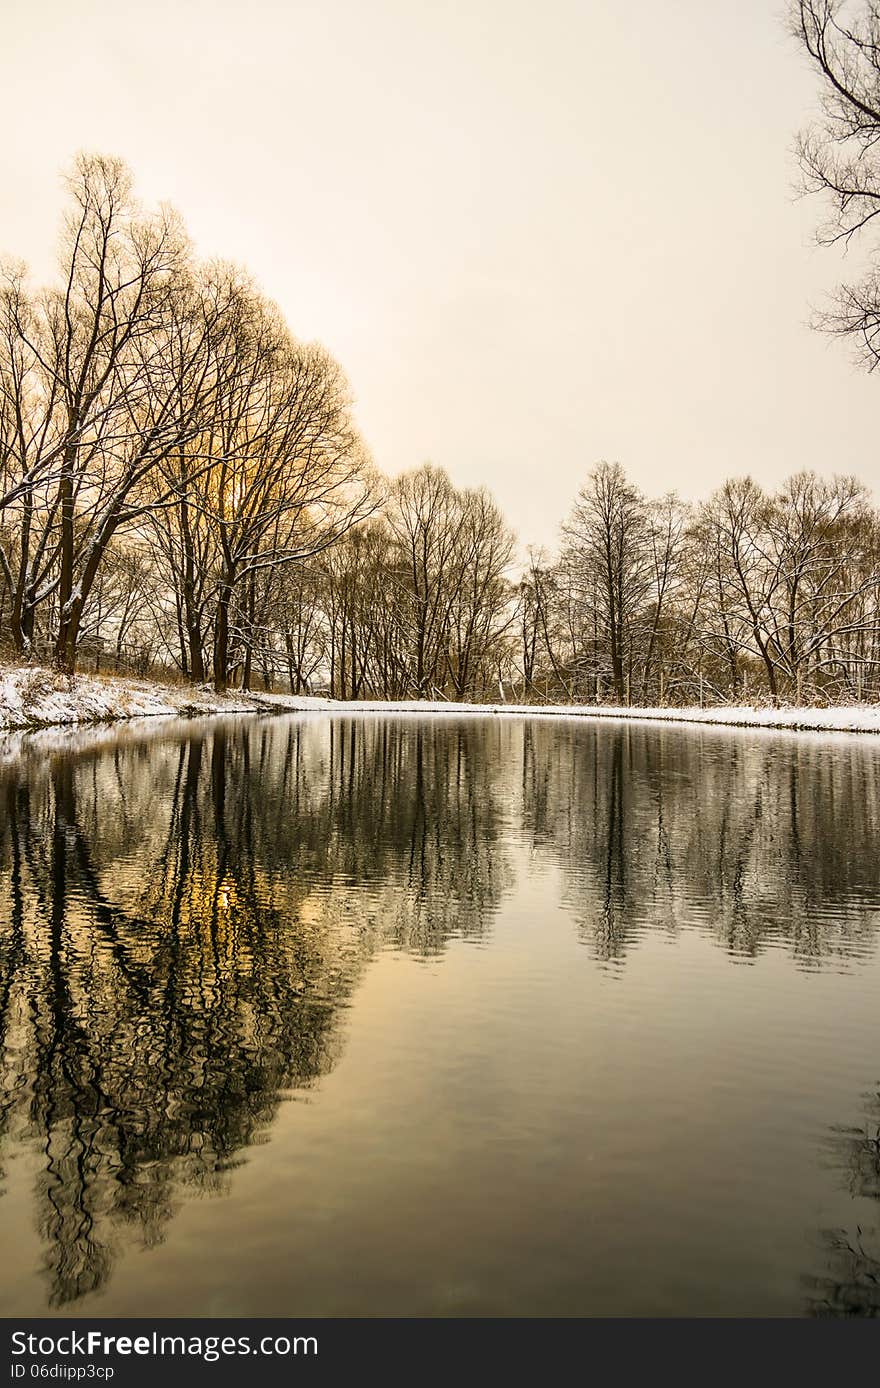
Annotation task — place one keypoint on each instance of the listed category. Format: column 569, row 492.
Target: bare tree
column 423, row 517
column 838, row 152
column 666, row 546
column 605, row 555
column 105, row 416
column 792, row 572
column 289, row 473
column 480, row 611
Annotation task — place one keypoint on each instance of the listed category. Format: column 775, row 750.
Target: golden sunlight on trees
column 144, row 382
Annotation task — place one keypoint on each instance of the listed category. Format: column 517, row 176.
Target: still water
column 450, row 1016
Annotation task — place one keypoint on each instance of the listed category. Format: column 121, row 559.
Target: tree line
column 183, row 489
column 749, row 595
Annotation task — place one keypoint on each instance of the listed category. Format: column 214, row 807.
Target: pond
column 439, row 1016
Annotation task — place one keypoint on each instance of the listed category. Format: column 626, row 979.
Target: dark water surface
column 439, row 1016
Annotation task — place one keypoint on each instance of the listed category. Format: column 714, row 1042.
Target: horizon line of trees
column 183, row 488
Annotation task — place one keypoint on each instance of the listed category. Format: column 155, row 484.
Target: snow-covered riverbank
column 35, row 697
column 851, row 718
column 39, row 698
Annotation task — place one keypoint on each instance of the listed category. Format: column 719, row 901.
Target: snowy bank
column 35, row 697
column 40, row 698
column 848, row 718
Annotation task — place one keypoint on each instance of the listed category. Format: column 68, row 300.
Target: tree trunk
column 221, row 641
column 68, row 623
column 68, row 633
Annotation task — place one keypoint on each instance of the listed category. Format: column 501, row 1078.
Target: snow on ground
column 34, row 697
column 852, row 718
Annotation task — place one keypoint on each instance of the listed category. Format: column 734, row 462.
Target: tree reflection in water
column 759, row 840
column 186, row 916
column 850, row 1284
column 185, row 912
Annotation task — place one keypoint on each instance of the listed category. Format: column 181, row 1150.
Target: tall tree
column 100, row 342
column 606, row 557
column 288, row 474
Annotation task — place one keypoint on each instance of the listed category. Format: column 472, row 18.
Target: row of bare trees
column 414, row 601
column 181, row 481
column 417, row 604
column 182, row 486
column 744, row 596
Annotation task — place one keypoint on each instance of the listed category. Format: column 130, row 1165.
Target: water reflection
column 185, row 913
column 850, row 1282
column 185, row 918
column 761, row 841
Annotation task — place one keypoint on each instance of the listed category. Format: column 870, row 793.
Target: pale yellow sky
column 534, row 235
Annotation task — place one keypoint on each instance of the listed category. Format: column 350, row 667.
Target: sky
column 535, row 236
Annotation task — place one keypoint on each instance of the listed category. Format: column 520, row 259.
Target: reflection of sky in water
column 475, row 1015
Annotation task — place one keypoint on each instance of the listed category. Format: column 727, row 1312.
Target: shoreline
column 850, row 718
column 35, row 698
